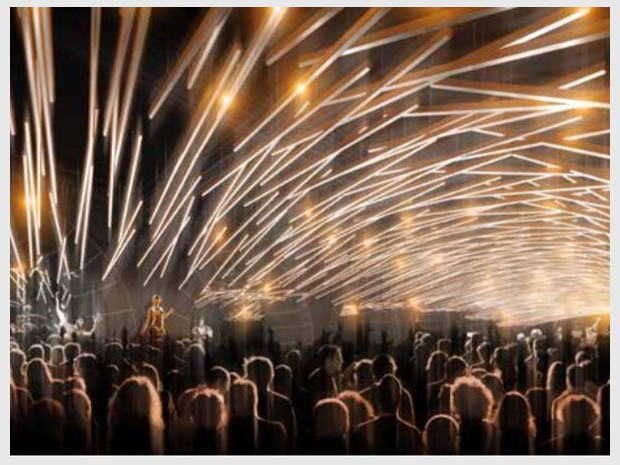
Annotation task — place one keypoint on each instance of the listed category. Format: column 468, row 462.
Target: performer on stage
column 77, row 328
column 155, row 321
column 201, row 331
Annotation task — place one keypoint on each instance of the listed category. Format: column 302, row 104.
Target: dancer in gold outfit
column 155, row 321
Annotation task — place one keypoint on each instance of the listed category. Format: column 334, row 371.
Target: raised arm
column 170, row 312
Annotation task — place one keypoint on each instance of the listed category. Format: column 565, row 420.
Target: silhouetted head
column 151, row 373
column 293, row 360
column 556, row 378
column 444, row 345
column 208, row 410
column 156, row 301
column 360, row 410
column 455, row 367
column 57, row 356
column 330, row 359
column 495, row 385
column 38, row 379
column 389, row 391
column 86, row 366
column 441, row 436
column 36, row 351
column 436, row 366
column 485, row 351
column 72, row 350
column 575, row 378
column 383, row 364
column 184, row 402
column 243, row 399
column 330, row 418
column 259, row 370
column 362, row 374
column 17, row 361
column 283, row 380
column 135, row 418
column 218, row 378
column 471, row 400
column 46, row 427
column 194, row 368
column 514, row 413
column 77, row 406
column 113, row 354
column 577, row 415
column 500, row 359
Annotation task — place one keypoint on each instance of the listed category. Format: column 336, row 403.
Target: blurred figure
column 383, row 365
column 78, row 411
column 45, row 428
column 441, row 436
column 249, row 434
column 209, row 418
column 516, row 425
column 387, row 434
column 330, row 428
column 471, row 403
column 362, row 374
column 135, row 424
column 360, row 410
column 283, row 381
column 325, row 381
column 455, row 368
column 576, row 418
column 271, row 405
column 38, row 379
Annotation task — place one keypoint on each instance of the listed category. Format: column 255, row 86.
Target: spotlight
column 301, row 88
column 226, row 100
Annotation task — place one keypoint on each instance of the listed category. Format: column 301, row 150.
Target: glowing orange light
column 226, row 100
column 301, row 88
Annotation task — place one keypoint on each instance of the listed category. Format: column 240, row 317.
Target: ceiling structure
column 441, row 158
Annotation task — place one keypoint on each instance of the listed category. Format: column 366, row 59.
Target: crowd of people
column 468, row 394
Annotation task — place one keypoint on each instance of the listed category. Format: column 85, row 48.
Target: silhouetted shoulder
column 272, row 437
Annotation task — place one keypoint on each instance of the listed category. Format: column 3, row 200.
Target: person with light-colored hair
column 516, row 426
column 271, row 405
column 471, row 404
column 360, row 410
column 441, row 436
column 249, row 433
column 135, row 424
column 330, row 427
column 78, row 411
column 387, row 433
column 209, row 418
column 576, row 418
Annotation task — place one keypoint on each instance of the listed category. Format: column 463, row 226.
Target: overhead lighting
column 551, row 27
column 584, row 79
column 226, row 100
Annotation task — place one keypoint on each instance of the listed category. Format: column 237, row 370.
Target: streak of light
column 117, row 254
column 208, row 26
column 551, row 27
column 206, row 50
column 131, row 79
column 132, row 175
column 163, row 226
column 583, row 79
column 124, row 34
column 227, row 69
column 369, row 19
